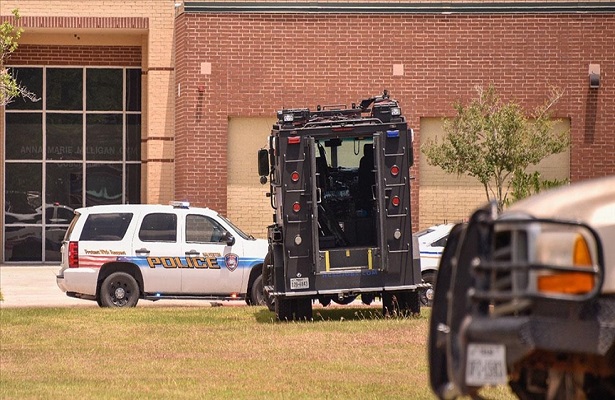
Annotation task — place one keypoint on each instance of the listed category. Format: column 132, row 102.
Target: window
column 80, row 145
column 159, row 227
column 201, row 229
column 110, row 227
column 440, row 242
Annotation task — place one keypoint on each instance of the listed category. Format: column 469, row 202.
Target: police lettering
column 181, row 262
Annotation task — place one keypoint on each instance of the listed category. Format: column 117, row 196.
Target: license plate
column 299, row 283
column 486, row 364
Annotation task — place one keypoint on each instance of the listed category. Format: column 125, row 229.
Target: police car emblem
column 232, row 261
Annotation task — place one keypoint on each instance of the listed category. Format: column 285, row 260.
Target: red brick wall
column 104, row 56
column 262, row 62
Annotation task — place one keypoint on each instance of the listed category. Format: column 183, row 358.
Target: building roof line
column 399, row 8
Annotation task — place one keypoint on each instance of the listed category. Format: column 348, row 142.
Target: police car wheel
column 119, row 290
column 426, row 295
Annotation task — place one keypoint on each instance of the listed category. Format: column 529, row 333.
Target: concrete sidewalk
column 35, row 286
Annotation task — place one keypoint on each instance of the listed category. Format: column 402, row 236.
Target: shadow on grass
column 335, row 314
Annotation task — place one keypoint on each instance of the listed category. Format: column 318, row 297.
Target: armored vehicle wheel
column 324, row 300
column 293, row 309
column 119, row 290
column 400, row 304
column 283, row 309
column 345, row 300
column 257, row 297
column 367, row 298
column 303, row 309
column 267, row 280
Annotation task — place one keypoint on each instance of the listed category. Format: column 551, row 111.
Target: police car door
column 156, row 246
column 212, row 264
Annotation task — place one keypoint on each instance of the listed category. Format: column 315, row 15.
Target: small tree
column 491, row 141
column 9, row 87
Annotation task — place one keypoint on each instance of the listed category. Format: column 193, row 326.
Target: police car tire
column 428, row 277
column 119, row 290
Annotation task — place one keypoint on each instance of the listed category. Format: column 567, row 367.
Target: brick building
column 156, row 100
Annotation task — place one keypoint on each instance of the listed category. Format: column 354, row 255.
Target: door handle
column 142, row 251
column 192, row 253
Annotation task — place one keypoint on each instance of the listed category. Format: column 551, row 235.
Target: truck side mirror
column 263, row 165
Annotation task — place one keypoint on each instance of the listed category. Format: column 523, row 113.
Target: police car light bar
column 179, row 204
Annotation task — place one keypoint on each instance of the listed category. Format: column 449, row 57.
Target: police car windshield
column 236, row 229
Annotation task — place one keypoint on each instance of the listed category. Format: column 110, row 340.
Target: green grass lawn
column 216, row 353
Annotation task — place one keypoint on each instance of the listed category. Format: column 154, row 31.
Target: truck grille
column 507, row 274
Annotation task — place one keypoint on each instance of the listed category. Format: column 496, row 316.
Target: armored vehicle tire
column 324, row 300
column 257, row 297
column 293, row 309
column 426, row 295
column 119, row 290
column 267, row 280
column 283, row 309
column 344, row 301
column 303, row 309
column 400, row 304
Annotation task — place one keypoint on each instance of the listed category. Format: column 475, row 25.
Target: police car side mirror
column 229, row 238
column 263, row 165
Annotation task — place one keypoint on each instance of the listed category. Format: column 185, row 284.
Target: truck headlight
column 572, row 256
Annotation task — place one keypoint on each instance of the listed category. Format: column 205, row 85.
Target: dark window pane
column 64, row 187
column 104, row 137
column 103, row 184
column 159, row 227
column 133, row 183
column 64, row 136
column 53, row 242
column 23, row 193
column 133, row 137
column 24, row 136
column 104, row 89
column 106, row 226
column 23, row 243
column 133, row 90
column 32, row 80
column 64, row 88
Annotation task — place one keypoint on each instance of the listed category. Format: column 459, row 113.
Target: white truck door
column 213, row 265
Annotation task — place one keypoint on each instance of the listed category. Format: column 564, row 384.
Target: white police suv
column 118, row 254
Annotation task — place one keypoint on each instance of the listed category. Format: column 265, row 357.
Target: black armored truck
column 339, row 184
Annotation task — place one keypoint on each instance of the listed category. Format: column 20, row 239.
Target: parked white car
column 431, row 245
column 118, row 254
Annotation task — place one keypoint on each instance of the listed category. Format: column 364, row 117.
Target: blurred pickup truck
column 527, row 298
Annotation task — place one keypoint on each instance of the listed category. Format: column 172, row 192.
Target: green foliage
column 490, row 140
column 9, row 87
column 524, row 184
